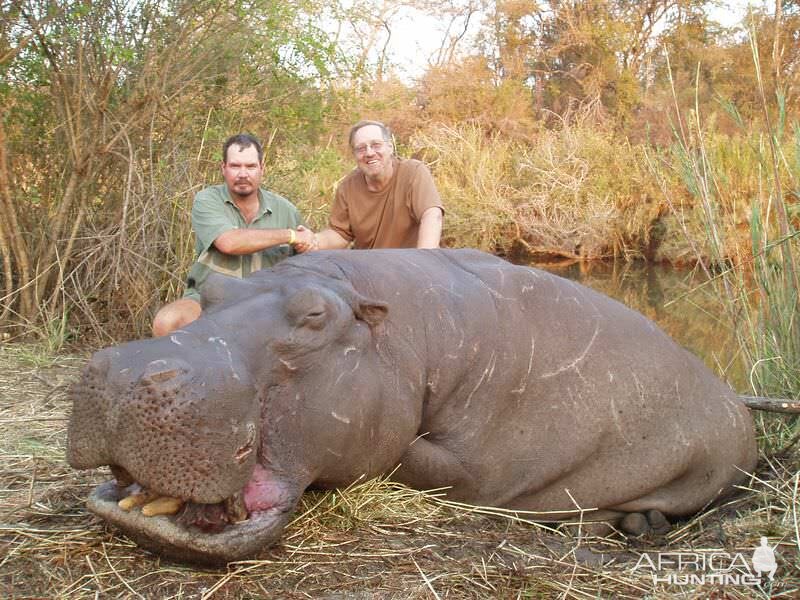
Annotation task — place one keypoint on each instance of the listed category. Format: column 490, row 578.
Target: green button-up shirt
column 214, row 213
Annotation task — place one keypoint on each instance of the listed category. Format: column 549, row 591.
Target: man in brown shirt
column 385, row 202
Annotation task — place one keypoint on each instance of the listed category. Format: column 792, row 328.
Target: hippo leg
column 426, row 465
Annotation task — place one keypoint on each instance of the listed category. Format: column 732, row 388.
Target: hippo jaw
column 166, row 536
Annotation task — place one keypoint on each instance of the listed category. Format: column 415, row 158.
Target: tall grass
column 751, row 247
column 578, row 191
column 473, row 173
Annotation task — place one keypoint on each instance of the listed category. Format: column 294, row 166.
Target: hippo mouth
column 206, row 534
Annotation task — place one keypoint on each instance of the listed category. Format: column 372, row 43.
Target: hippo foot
column 651, row 522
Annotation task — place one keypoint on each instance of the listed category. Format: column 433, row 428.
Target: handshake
column 303, row 239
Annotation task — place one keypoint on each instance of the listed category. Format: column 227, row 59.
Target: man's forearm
column 328, row 239
column 247, row 241
column 430, row 228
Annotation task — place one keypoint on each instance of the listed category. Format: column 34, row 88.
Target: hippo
column 505, row 385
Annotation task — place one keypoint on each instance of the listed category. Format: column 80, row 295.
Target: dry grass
column 576, row 192
column 375, row 539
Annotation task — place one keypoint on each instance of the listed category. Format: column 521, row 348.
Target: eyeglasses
column 374, row 145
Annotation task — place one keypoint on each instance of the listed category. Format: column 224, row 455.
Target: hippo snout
column 87, row 442
column 179, row 428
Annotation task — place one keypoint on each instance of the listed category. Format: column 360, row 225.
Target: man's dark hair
column 387, row 135
column 242, row 140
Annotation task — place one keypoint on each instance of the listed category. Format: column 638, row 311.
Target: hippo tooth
column 235, row 508
column 134, row 500
column 165, row 505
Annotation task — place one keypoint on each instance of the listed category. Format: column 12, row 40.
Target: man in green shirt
column 239, row 228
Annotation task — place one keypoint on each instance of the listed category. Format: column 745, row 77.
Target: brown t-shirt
column 389, row 218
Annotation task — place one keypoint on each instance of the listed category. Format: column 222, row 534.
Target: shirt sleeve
column 339, row 220
column 423, row 192
column 209, row 219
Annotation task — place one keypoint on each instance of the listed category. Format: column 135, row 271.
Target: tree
column 103, row 102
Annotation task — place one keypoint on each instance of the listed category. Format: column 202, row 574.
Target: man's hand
column 306, row 240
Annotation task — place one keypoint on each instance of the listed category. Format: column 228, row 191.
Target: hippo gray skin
column 510, row 386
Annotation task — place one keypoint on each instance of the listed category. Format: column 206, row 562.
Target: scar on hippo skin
column 534, row 394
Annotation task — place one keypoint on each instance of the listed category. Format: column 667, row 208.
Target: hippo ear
column 307, row 308
column 218, row 289
column 372, row 312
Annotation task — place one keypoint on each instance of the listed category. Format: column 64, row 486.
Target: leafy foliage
column 542, row 131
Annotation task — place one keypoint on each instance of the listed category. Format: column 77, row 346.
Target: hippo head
column 222, row 420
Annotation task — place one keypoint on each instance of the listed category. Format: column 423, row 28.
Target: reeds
column 579, row 191
column 751, row 245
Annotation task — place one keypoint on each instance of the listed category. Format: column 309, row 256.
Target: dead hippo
column 508, row 385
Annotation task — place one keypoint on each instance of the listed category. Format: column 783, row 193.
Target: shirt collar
column 265, row 202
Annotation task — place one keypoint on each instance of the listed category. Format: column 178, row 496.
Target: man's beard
column 240, row 193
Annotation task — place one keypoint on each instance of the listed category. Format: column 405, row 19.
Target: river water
column 673, row 298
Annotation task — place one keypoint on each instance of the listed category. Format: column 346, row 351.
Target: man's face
column 373, row 153
column 242, row 171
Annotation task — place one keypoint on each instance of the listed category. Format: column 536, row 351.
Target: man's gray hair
column 387, row 135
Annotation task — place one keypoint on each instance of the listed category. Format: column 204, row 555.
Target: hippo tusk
column 137, row 499
column 152, row 504
column 165, row 505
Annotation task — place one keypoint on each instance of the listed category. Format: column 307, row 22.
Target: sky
column 416, row 36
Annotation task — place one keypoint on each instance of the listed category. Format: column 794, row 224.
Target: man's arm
column 430, row 228
column 248, row 241
column 328, row 239
column 213, row 227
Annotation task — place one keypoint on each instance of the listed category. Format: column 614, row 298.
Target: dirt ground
column 374, row 540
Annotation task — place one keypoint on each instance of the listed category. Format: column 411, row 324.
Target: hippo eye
column 314, row 319
column 307, row 308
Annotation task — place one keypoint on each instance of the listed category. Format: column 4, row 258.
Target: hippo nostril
column 162, row 370
column 152, row 377
column 168, row 373
column 99, row 364
column 162, row 376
